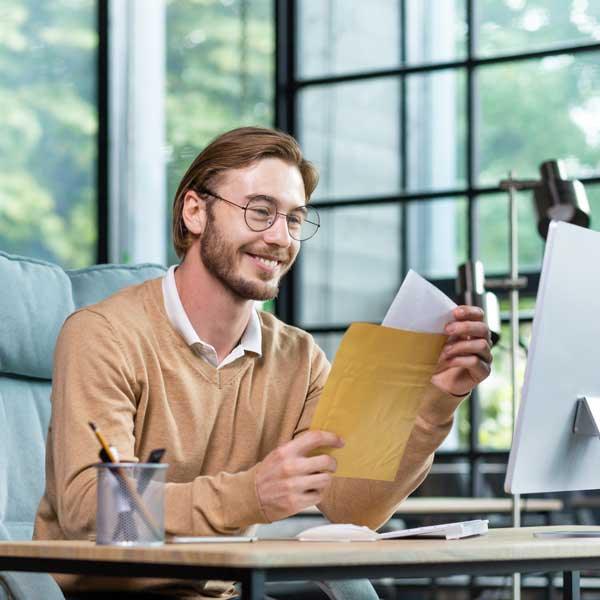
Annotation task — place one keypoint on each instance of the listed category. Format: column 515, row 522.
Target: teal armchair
column 35, row 299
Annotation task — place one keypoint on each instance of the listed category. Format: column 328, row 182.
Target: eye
column 296, row 219
column 260, row 212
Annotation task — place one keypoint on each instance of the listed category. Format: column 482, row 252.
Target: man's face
column 249, row 263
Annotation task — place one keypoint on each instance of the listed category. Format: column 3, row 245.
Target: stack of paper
column 356, row 533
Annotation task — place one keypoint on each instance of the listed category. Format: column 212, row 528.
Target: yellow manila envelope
column 372, row 396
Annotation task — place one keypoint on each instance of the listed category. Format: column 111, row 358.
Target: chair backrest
column 35, row 299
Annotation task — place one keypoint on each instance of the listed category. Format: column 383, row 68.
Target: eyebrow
column 261, row 196
column 301, row 207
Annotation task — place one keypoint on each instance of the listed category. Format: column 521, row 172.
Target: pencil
column 131, row 491
column 103, row 443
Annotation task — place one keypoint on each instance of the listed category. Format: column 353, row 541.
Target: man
column 188, row 364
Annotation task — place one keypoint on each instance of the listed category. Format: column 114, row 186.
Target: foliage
column 47, row 136
column 219, row 68
column 530, row 111
column 219, row 74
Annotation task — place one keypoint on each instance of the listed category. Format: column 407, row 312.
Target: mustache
column 281, row 256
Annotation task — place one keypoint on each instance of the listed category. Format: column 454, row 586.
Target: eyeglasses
column 261, row 213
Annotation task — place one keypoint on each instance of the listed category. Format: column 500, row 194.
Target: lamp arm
column 506, row 283
column 519, row 184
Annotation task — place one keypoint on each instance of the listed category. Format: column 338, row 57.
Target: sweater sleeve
column 94, row 381
column 369, row 502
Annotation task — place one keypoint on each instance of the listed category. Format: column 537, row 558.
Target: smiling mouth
column 270, row 263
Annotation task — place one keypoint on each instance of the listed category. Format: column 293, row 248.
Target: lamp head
column 559, row 199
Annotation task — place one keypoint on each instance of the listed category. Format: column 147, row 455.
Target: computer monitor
column 553, row 451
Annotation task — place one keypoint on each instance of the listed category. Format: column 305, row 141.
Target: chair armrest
column 25, row 586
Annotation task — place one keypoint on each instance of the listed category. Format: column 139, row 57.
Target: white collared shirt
column 251, row 340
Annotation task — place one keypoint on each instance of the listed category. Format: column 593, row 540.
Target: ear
column 194, row 212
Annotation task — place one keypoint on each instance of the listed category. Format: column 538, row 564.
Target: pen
column 146, row 475
column 131, row 491
column 156, row 455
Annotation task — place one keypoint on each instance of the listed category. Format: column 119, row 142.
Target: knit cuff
column 241, row 505
column 223, row 504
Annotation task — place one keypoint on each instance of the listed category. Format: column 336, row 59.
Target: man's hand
column 466, row 358
column 288, row 481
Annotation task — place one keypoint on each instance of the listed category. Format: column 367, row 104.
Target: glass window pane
column 342, row 36
column 446, row 478
column 329, row 343
column 436, row 30
column 436, row 130
column 495, row 394
column 437, row 236
column 48, row 129
column 220, row 70
column 535, row 110
column 510, row 26
column 494, row 231
column 351, row 131
column 458, row 438
column 491, row 473
column 593, row 194
column 350, row 271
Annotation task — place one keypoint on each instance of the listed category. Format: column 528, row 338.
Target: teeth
column 266, row 261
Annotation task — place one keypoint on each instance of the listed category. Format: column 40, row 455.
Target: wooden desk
column 501, row 551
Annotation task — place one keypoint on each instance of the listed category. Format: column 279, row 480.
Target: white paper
column 347, row 532
column 419, row 306
column 211, row 539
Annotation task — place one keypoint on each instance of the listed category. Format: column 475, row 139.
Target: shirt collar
column 251, row 340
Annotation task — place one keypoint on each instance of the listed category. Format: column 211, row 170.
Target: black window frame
column 287, row 86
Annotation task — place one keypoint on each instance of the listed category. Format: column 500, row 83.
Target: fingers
column 314, row 483
column 469, row 323
column 289, row 479
column 300, row 466
column 322, row 463
column 478, row 368
column 468, row 329
column 308, row 483
column 311, row 499
column 468, row 313
column 311, row 440
column 291, row 460
column 478, row 347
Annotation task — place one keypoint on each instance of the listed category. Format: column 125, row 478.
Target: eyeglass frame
column 207, row 192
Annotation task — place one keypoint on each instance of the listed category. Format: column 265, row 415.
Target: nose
column 278, row 233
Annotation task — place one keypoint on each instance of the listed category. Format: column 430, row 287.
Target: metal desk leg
column 571, row 589
column 253, row 585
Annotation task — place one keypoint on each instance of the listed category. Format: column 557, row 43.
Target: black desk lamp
column 559, row 199
column 555, row 198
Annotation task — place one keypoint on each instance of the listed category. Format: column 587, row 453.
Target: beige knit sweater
column 120, row 364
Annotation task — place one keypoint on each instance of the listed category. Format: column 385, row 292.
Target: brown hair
column 234, row 150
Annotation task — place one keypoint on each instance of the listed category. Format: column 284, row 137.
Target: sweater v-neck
column 219, row 377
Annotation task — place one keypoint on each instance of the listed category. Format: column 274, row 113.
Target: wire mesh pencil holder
column 130, row 504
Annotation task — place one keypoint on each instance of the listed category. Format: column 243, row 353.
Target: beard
column 219, row 258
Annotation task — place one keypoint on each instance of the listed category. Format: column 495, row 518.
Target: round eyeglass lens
column 302, row 222
column 310, row 224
